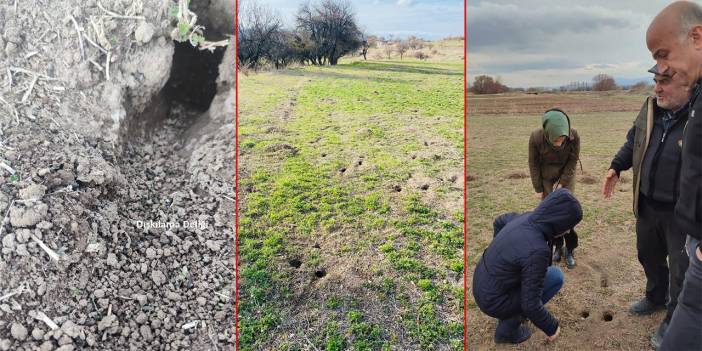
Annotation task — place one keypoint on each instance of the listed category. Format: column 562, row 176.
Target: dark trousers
column 571, row 241
column 656, row 241
column 685, row 330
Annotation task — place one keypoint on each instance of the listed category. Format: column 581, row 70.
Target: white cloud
column 404, row 2
column 551, row 43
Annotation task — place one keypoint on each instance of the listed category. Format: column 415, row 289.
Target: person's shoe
column 657, row 337
column 570, row 259
column 645, row 307
column 511, row 331
column 557, row 254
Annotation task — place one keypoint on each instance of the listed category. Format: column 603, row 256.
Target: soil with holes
column 94, row 153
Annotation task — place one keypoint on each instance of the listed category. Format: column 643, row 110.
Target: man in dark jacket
column 514, row 278
column 675, row 40
column 554, row 150
column 653, row 151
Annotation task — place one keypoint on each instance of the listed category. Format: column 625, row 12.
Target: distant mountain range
column 632, row 81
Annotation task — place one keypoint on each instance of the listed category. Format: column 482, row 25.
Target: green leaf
column 198, row 39
column 183, row 28
column 14, row 178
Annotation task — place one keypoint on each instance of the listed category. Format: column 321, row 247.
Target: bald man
column 675, row 40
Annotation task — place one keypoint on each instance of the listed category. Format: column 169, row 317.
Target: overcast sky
column 529, row 43
column 429, row 19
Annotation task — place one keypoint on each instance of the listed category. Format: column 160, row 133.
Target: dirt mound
column 588, row 179
column 517, row 175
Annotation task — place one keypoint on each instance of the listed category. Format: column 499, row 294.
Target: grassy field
column 608, row 276
column 351, row 220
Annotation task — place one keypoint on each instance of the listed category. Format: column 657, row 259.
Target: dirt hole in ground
column 424, row 186
column 588, row 179
column 471, row 177
column 397, row 188
column 320, row 273
column 296, row 263
column 517, row 175
column 607, row 316
column 342, row 170
column 584, row 314
column 191, row 86
column 193, row 75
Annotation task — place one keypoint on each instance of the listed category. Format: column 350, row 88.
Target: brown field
column 580, row 102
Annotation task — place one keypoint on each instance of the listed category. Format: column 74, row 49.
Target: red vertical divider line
column 236, row 180
column 465, row 175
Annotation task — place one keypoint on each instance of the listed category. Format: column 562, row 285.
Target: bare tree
column 331, row 26
column 258, row 28
column 415, row 43
column 487, row 85
column 402, row 47
column 603, row 82
column 388, row 49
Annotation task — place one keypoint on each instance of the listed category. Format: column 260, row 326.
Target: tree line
column 324, row 31
column 484, row 84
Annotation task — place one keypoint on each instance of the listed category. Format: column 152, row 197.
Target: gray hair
column 690, row 17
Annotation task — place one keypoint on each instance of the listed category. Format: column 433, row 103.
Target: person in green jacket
column 554, row 150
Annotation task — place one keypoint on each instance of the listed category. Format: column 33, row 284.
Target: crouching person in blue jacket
column 514, row 278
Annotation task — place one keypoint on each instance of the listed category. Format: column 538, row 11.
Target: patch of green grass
column 334, row 117
column 366, row 336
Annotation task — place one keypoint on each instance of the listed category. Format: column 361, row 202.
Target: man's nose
column 662, row 67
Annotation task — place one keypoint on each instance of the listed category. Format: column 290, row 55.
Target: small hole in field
column 320, row 273
column 342, row 170
column 607, row 317
column 584, row 314
column 295, row 263
column 397, row 188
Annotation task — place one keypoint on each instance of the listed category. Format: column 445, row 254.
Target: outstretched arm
column 533, row 275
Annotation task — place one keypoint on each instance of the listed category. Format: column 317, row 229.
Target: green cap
column 555, row 124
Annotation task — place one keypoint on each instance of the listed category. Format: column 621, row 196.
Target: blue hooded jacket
column 509, row 278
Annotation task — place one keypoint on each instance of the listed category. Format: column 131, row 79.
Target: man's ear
column 696, row 37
